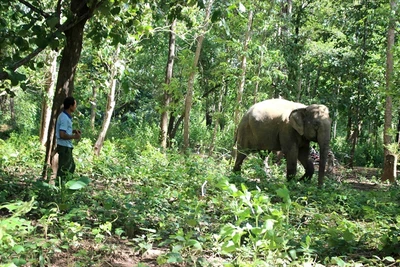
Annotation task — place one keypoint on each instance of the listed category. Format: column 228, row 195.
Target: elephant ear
column 296, row 120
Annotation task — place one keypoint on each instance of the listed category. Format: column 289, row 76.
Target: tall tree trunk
column 388, row 172
column 258, row 75
column 12, row 112
column 398, row 129
column 189, row 95
column 66, row 74
column 110, row 104
column 168, row 76
column 242, row 78
column 50, row 79
column 243, row 65
column 217, row 119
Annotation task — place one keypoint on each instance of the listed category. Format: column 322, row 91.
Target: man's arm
column 65, row 136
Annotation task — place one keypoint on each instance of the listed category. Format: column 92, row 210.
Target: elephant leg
column 239, row 160
column 304, row 158
column 291, row 161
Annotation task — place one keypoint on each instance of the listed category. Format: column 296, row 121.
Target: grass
column 147, row 207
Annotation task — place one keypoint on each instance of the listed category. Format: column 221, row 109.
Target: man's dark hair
column 69, row 101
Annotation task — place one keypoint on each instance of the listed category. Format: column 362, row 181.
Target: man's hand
column 77, row 134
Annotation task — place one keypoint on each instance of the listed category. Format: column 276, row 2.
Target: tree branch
column 37, row 10
column 66, row 26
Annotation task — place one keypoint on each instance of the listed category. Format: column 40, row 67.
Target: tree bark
column 189, row 95
column 243, row 65
column 65, row 82
column 398, row 130
column 388, row 168
column 256, row 87
column 110, row 105
column 167, row 96
column 12, row 112
column 93, row 104
column 217, row 120
column 242, row 78
column 50, row 79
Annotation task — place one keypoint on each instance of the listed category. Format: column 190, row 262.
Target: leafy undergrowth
column 138, row 206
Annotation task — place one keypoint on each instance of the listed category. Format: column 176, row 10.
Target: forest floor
column 123, row 255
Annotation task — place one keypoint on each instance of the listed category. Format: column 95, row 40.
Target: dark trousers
column 66, row 164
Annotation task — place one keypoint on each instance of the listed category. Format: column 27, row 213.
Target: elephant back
column 272, row 109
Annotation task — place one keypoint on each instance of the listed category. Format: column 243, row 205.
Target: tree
column 51, row 75
column 390, row 162
column 69, row 60
column 168, row 76
column 190, row 91
column 243, row 66
column 115, row 62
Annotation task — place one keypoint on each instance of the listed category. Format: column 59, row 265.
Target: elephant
column 289, row 127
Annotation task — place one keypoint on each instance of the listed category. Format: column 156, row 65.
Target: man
column 64, row 136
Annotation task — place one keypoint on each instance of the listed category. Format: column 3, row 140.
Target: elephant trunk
column 322, row 164
column 323, row 156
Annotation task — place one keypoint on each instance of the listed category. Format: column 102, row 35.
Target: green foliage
column 189, row 206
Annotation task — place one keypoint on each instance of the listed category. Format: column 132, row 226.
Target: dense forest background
column 153, row 79
column 311, row 52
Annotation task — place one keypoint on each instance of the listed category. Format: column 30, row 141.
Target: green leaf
column 228, row 247
column 19, row 262
column 284, row 193
column 77, row 184
column 195, row 244
column 18, row 249
column 191, row 222
column 52, row 21
column 242, row 8
column 174, row 258
column 41, row 41
column 348, row 236
column 389, row 259
column 338, row 261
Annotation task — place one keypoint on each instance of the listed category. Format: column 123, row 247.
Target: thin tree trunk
column 243, row 66
column 110, row 104
column 66, row 74
column 398, row 129
column 93, row 104
column 388, row 167
column 258, row 75
column 189, row 95
column 354, row 139
column 167, row 96
column 50, row 78
column 242, row 78
column 12, row 112
column 217, row 120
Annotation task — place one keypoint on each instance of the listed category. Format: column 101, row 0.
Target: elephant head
column 313, row 123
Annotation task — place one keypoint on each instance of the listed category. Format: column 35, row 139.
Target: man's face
column 73, row 107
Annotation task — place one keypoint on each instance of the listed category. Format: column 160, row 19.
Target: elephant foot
column 290, row 177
